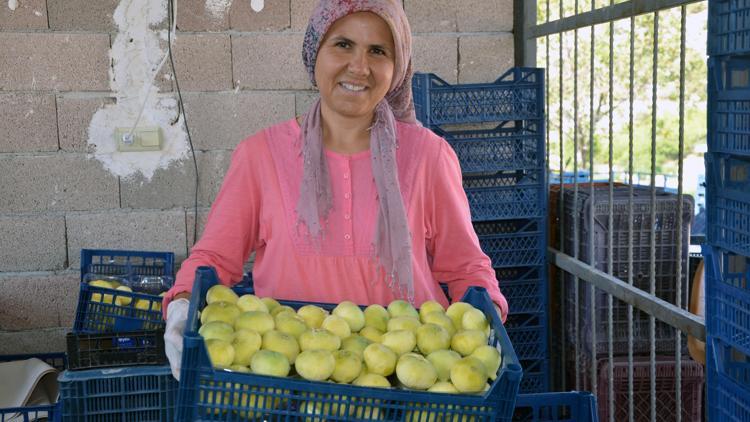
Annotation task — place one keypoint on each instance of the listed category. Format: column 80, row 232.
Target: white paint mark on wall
column 12, row 4
column 218, row 8
column 256, row 5
column 136, row 53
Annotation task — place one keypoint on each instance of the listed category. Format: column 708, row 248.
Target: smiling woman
column 355, row 200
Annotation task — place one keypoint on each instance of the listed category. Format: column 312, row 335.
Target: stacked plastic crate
column 727, row 255
column 116, row 364
column 497, row 131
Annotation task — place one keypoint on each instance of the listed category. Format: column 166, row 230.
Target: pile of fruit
column 432, row 349
column 122, row 297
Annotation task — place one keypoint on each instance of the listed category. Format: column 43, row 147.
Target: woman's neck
column 346, row 135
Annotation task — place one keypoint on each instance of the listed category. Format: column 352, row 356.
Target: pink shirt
column 254, row 211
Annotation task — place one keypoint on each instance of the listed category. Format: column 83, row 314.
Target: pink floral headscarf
column 392, row 241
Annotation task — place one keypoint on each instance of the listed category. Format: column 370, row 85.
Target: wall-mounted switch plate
column 142, row 139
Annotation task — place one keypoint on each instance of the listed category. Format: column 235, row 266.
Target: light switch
column 142, row 139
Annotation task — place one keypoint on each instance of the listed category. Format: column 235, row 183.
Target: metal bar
column 576, row 235
column 676, row 317
column 652, row 257
column 630, row 215
column 524, row 17
column 604, row 15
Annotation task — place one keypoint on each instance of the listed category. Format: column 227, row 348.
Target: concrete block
column 223, row 120
column 258, row 59
column 48, row 340
column 32, row 301
column 62, row 62
column 203, row 62
column 126, row 229
column 429, row 16
column 30, row 14
column 55, row 182
column 275, row 16
column 168, row 188
column 28, row 122
column 303, row 101
column 192, row 15
column 73, row 117
column 190, row 221
column 212, row 166
column 78, row 15
column 301, row 10
column 484, row 57
column 32, row 243
column 436, row 54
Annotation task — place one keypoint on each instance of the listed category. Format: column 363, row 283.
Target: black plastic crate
column 87, row 351
column 666, row 261
column 513, row 243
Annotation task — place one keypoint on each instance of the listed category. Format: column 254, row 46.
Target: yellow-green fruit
column 474, row 319
column 240, row 368
column 352, row 314
column 220, row 293
column 258, row 321
column 370, row 413
column 456, row 312
column 377, row 316
column 490, row 357
column 281, row 308
column 268, row 362
column 146, row 304
column 464, row 342
column 423, row 415
column 380, row 360
column 246, row 343
column 371, row 333
column 270, row 302
column 220, row 311
column 355, row 343
column 260, row 398
column 290, row 324
column 400, row 341
column 280, row 342
column 369, row 379
column 251, row 303
column 431, row 337
column 315, row 411
column 337, row 325
column 415, row 372
column 98, row 297
column 403, row 323
column 441, row 319
column 429, row 307
column 220, row 352
column 443, row 387
column 399, row 308
column 315, row 365
column 313, row 315
column 443, row 360
column 469, row 375
column 215, row 398
column 218, row 330
column 122, row 300
column 348, row 366
column 319, row 338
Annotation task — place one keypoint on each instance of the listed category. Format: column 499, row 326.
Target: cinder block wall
column 238, row 73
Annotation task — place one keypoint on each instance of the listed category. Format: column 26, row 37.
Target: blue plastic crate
column 556, row 407
column 506, row 195
column 513, row 243
column 728, row 202
column 143, row 311
column 528, row 333
column 504, row 147
column 516, row 95
column 211, row 394
column 145, row 393
column 728, row 382
column 729, row 105
column 524, row 287
column 32, row 413
column 728, row 297
column 536, row 376
column 728, row 27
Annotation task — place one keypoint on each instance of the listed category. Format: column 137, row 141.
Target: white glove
column 177, row 314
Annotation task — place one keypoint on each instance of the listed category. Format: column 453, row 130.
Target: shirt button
column 347, row 195
column 347, row 236
column 347, row 216
column 346, row 175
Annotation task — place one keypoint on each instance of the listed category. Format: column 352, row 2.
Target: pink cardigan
column 254, row 211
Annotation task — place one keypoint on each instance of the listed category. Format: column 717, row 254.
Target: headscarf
column 392, row 247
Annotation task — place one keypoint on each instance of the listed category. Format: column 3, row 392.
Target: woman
column 355, row 200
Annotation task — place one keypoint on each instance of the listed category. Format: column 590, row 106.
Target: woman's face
column 355, row 65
